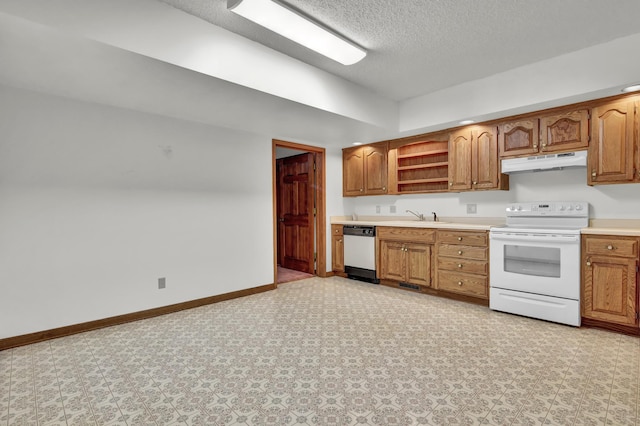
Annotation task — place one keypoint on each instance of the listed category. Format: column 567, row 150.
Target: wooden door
column 460, row 160
column 296, row 212
column 418, row 264
column 611, row 151
column 392, row 260
column 484, row 158
column 375, row 169
column 609, row 292
column 518, row 138
column 565, row 132
column 353, row 171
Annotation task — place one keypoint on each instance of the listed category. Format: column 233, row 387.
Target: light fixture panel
column 289, row 23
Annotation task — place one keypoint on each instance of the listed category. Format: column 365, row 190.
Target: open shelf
column 423, row 167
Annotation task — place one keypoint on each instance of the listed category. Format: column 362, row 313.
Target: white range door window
column 536, row 263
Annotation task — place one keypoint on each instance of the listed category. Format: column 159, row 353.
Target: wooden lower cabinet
column 337, row 249
column 405, row 255
column 610, row 280
column 462, row 263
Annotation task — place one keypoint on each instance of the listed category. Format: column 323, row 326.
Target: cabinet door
column 353, row 172
column 375, row 169
column 609, row 292
column 418, row 264
column 564, row 132
column 392, row 260
column 611, row 150
column 337, row 253
column 484, row 158
column 460, row 152
column 518, row 138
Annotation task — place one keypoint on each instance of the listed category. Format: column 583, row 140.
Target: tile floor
column 327, row 352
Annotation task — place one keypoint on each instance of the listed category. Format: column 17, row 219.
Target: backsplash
column 621, row 201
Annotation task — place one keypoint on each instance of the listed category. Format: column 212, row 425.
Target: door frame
column 320, row 222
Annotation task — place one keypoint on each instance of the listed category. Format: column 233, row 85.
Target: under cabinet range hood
column 540, row 163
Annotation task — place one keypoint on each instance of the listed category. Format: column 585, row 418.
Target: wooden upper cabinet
column 473, row 160
column 484, row 159
column 565, row 132
column 364, row 170
column 560, row 132
column 353, row 171
column 613, row 144
column 460, row 152
column 519, row 138
column 375, row 169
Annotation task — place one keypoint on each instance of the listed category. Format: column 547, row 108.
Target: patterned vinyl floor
column 327, row 352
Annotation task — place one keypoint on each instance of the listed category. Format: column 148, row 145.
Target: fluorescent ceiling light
column 633, row 88
column 291, row 24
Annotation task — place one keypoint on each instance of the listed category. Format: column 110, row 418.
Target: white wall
column 606, row 201
column 97, row 203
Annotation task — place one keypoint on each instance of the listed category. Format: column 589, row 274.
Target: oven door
column 538, row 263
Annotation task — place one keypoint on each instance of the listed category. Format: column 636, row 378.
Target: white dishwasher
column 360, row 252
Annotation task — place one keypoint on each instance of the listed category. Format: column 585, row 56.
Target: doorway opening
column 298, row 211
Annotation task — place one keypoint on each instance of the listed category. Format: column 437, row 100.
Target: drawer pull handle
column 459, row 265
column 459, row 238
column 460, row 252
column 460, row 283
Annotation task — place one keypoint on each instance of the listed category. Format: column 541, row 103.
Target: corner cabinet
column 559, row 132
column 473, row 160
column 614, row 153
column 337, row 249
column 610, row 281
column 404, row 256
column 365, row 170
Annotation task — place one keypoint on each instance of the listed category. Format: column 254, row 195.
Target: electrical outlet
column 377, row 209
column 472, row 208
column 392, row 209
column 162, row 283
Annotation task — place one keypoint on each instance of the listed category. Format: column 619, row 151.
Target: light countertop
column 629, row 227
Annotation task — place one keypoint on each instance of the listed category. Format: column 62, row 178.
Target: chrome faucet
column 435, row 216
column 419, row 216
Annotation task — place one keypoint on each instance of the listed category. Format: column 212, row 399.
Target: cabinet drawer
column 463, row 265
column 463, row 237
column 462, row 252
column 336, row 229
column 471, row 285
column 611, row 246
column 406, row 234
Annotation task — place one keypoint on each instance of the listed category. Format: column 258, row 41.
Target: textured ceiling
column 420, row 46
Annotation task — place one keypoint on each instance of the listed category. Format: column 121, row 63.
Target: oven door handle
column 535, row 238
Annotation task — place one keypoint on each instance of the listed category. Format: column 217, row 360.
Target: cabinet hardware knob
column 588, row 263
column 339, row 241
column 384, row 188
column 450, row 183
column 475, row 183
column 459, row 265
column 544, row 145
column 609, row 247
column 459, row 282
column 535, row 146
column 361, row 189
column 593, row 174
column 459, row 251
column 459, row 238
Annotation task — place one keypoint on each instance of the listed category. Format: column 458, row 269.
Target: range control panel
column 549, row 208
